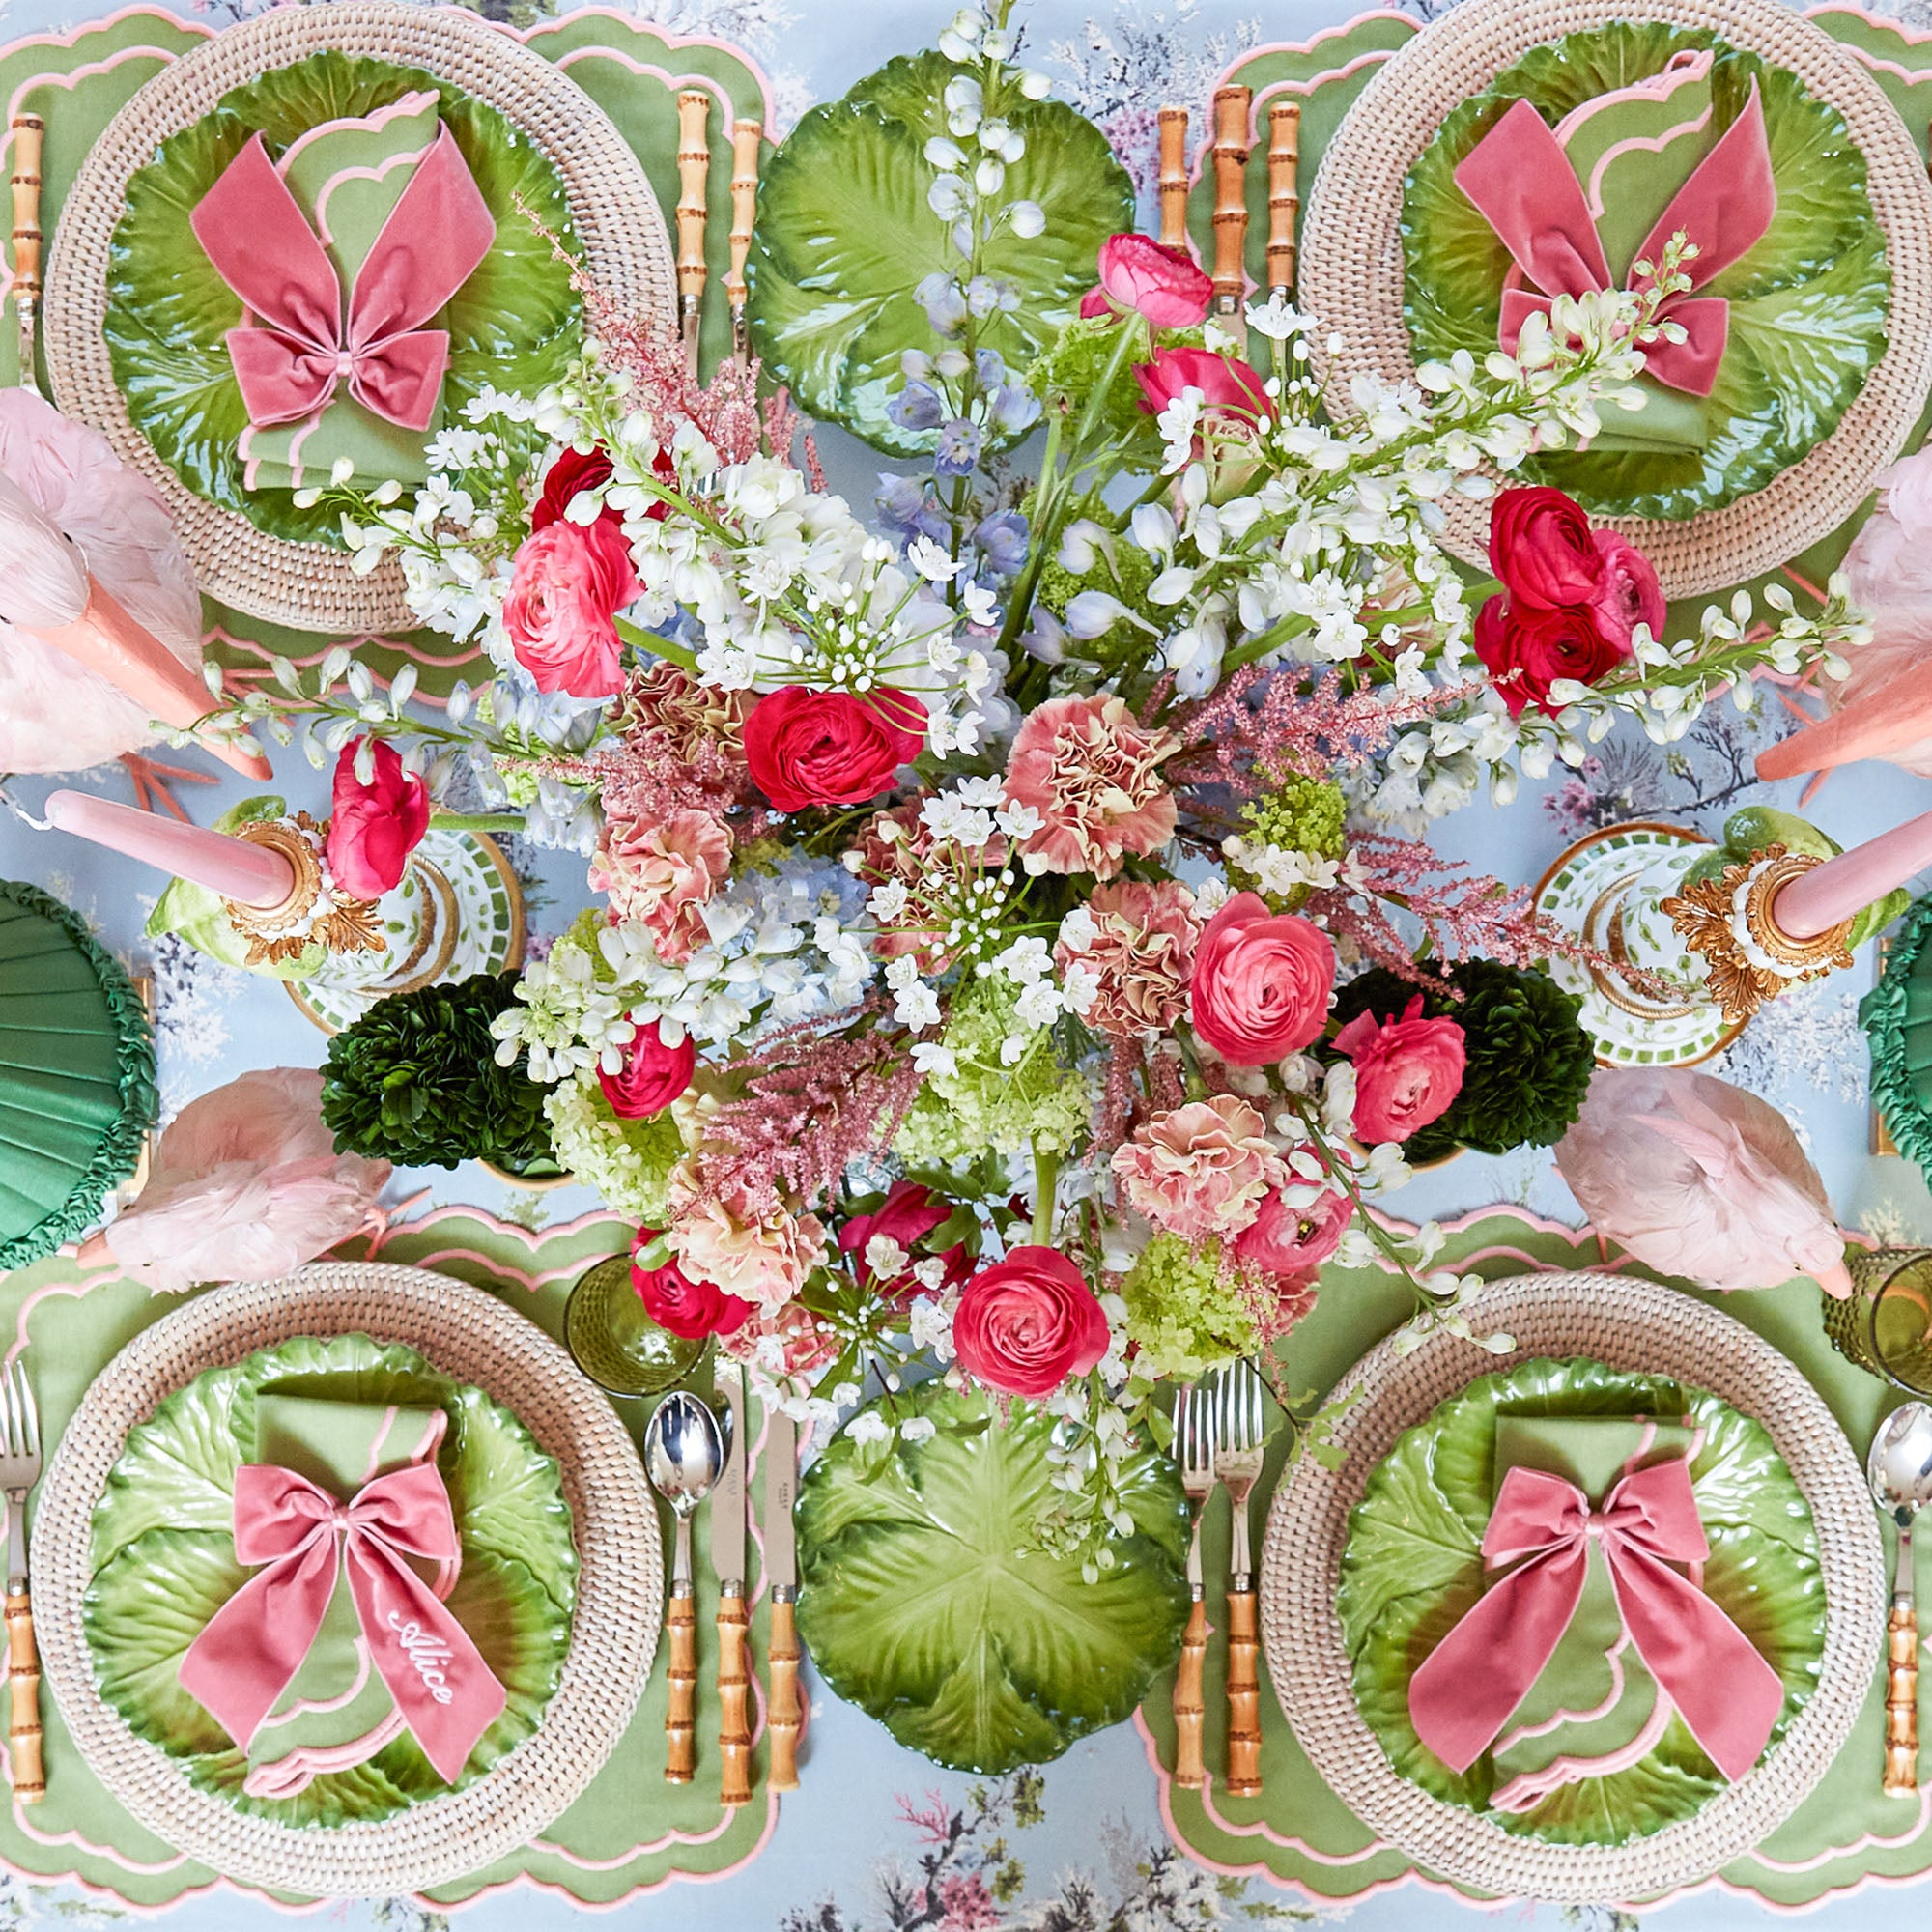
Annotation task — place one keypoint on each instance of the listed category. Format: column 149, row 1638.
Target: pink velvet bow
column 263, row 247
column 1521, row 182
column 1468, row 1686
column 252, row 1647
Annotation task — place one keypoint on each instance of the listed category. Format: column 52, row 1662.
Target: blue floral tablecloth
column 876, row 1837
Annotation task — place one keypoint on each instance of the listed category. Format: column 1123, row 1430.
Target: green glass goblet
column 616, row 1343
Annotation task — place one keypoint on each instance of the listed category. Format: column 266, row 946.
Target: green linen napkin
column 336, row 1712
column 347, row 176
column 1594, row 1708
column 1632, row 149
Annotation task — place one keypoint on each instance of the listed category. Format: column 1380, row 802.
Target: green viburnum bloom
column 983, row 1102
column 1185, row 1310
column 627, row 1162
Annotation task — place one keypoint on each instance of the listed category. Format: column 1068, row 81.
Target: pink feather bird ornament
column 247, row 1185
column 100, row 618
column 1696, row 1178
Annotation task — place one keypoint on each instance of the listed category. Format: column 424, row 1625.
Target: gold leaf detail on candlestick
column 286, row 931
column 1707, row 918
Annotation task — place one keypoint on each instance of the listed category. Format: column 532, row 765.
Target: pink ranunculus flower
column 654, row 1074
column 373, row 828
column 1262, row 983
column 1140, row 954
column 1092, row 771
column 660, row 873
column 683, row 1307
column 1028, row 1322
column 761, row 1253
column 1407, row 1071
column 1166, row 285
column 567, row 583
column 1290, row 1241
column 1224, row 382
column 1199, row 1169
column 1630, row 594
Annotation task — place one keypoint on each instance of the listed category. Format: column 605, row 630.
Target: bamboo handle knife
column 787, row 1717
column 693, row 167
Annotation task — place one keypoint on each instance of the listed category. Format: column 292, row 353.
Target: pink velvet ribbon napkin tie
column 1463, row 1694
column 252, row 1647
column 309, row 341
column 1522, row 184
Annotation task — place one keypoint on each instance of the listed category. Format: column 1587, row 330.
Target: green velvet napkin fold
column 1594, row 1707
column 347, row 176
column 336, row 1712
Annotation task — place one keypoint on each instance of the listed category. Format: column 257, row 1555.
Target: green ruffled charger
column 76, row 1075
column 1897, row 1017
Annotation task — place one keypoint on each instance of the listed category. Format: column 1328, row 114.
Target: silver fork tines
column 1241, row 1435
column 1193, row 1451
column 19, row 1466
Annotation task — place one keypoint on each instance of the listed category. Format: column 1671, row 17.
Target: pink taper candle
column 1817, row 900
column 251, row 874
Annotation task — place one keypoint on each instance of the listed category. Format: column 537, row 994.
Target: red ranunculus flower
column 654, row 1074
column 1407, row 1071
column 566, row 585
column 907, row 1215
column 1028, row 1322
column 1541, row 546
column 575, row 470
column 1290, row 1244
column 1526, row 649
column 1224, row 382
column 683, row 1307
column 373, row 828
column 828, row 747
column 1164, row 284
column 1630, row 594
column 1261, row 981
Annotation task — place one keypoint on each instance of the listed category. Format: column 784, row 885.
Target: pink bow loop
column 251, row 1648
column 291, row 365
column 1467, row 1689
column 1523, row 187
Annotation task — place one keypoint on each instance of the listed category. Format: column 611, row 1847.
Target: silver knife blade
column 780, row 1491
column 728, row 1496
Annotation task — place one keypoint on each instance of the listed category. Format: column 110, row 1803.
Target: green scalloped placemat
column 630, row 1833
column 1299, row 1833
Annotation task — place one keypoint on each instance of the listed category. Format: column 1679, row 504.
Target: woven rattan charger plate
column 473, row 1338
column 619, row 227
column 1641, row 1328
column 1352, row 265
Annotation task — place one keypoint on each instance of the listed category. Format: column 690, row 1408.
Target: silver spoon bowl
column 1899, row 1469
column 684, row 1452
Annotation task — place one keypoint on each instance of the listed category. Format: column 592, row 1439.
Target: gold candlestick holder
column 313, row 913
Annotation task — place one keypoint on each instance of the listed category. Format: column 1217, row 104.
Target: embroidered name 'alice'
column 426, row 1652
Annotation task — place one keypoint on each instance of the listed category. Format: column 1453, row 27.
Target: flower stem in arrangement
column 1045, row 1192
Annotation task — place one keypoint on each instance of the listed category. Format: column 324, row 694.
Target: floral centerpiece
column 977, row 879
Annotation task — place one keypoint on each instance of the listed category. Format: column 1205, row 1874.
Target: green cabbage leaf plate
column 1413, row 1568
column 1809, row 302
column 844, row 236
column 926, row 1598
column 515, row 324
column 163, row 1562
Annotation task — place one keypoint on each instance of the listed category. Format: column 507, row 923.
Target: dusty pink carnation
column 761, row 1255
column 1199, row 1169
column 1142, row 952
column 659, row 873
column 1092, row 773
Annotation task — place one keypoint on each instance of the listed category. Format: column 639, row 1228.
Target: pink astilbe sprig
column 725, row 410
column 1263, row 728
column 808, row 1104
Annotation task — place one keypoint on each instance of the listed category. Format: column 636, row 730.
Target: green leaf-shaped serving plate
column 513, row 324
column 844, row 236
column 1413, row 1567
column 162, row 1562
column 1808, row 303
column 928, row 1599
